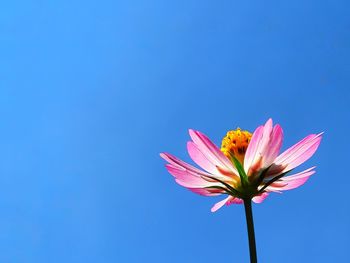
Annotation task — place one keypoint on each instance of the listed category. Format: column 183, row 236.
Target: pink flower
column 247, row 166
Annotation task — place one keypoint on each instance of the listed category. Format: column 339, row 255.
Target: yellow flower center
column 236, row 143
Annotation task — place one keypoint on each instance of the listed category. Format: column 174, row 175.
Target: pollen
column 236, row 143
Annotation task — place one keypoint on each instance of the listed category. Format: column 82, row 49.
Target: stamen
column 236, row 143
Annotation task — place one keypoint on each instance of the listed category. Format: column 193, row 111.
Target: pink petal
column 211, row 151
column 234, row 200
column 295, row 184
column 263, row 147
column 266, row 137
column 199, row 158
column 268, row 189
column 201, row 191
column 187, row 178
column 293, row 181
column 274, row 146
column 302, row 174
column 252, row 148
column 220, row 204
column 298, row 153
column 227, row 201
column 260, row 198
column 177, row 162
column 278, row 184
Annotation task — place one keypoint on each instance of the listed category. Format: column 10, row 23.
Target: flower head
column 248, row 166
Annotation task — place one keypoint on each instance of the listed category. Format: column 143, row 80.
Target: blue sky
column 92, row 91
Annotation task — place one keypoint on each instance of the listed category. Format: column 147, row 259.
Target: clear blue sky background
column 92, row 91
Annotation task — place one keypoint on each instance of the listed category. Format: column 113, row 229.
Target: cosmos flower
column 248, row 166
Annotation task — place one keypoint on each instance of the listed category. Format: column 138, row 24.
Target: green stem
column 250, row 228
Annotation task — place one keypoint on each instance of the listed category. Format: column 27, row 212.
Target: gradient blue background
column 92, row 91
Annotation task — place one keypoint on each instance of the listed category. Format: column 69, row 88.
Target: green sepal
column 272, row 181
column 240, row 169
column 232, row 190
column 262, row 175
column 221, row 188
